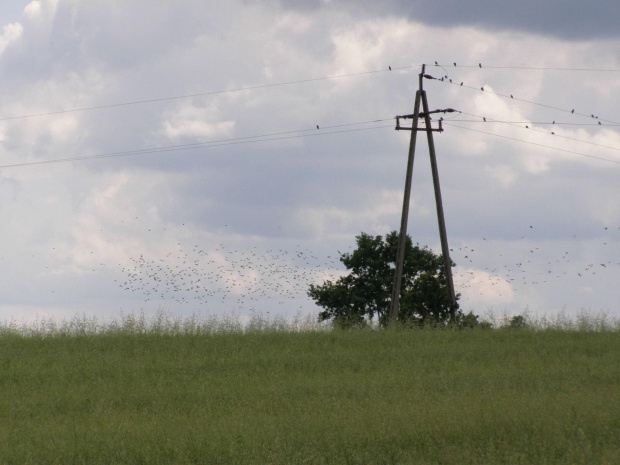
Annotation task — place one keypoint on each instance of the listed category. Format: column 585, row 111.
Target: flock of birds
column 196, row 274
column 537, row 265
column 242, row 276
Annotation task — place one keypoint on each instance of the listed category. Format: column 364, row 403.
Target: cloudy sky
column 195, row 179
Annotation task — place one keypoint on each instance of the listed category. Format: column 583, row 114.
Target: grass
column 175, row 391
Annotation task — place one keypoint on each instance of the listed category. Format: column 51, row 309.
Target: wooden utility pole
column 402, row 239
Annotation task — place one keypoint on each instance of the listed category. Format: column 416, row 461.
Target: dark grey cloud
column 566, row 19
column 571, row 20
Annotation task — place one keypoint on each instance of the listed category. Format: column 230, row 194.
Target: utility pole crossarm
column 422, row 115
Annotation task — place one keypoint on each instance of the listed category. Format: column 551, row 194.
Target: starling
column 479, row 65
column 317, row 126
column 484, row 119
column 390, row 68
column 573, row 110
column 454, row 64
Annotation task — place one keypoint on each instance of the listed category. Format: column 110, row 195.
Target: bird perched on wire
column 317, row 126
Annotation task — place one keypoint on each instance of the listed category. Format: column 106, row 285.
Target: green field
column 273, row 394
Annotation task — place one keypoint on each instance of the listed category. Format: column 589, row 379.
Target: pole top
column 421, row 75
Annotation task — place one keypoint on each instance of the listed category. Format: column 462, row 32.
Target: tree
column 365, row 293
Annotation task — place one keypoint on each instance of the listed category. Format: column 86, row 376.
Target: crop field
column 206, row 393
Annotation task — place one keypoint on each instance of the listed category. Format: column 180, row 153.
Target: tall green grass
column 176, row 391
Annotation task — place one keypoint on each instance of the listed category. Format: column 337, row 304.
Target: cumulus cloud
column 11, row 33
column 305, row 189
column 194, row 122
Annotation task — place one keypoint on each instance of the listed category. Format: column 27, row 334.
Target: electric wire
column 533, row 68
column 512, row 97
column 201, row 94
column 540, row 123
column 215, row 143
column 531, row 143
column 526, row 125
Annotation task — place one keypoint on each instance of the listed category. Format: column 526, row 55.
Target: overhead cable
column 202, row 94
column 531, row 143
column 512, row 97
column 216, row 143
column 529, row 126
column 526, row 68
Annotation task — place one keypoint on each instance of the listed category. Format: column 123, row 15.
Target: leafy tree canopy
column 365, row 293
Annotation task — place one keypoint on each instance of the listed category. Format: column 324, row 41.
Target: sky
column 216, row 158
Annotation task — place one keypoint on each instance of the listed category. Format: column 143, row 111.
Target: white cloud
column 193, row 122
column 505, row 175
column 33, row 9
column 36, row 9
column 11, row 33
column 480, row 288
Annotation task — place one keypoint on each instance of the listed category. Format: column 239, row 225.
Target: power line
column 528, row 68
column 202, row 94
column 512, row 97
column 531, row 143
column 540, row 123
column 216, row 143
column 526, row 125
